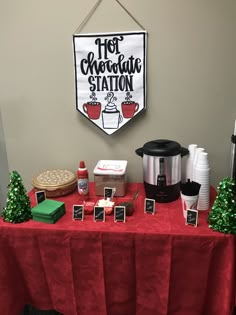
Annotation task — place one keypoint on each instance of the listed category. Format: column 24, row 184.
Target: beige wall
column 191, row 91
column 4, row 171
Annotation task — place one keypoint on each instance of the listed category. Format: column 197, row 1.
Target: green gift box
column 48, row 211
column 52, row 220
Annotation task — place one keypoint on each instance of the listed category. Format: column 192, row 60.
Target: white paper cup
column 202, row 167
column 189, row 161
column 203, row 206
column 203, row 159
column 188, row 202
column 197, row 152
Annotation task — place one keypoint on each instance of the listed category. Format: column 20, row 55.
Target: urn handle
column 184, row 152
column 139, row 152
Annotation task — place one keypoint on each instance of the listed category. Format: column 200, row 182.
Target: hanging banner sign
column 110, row 77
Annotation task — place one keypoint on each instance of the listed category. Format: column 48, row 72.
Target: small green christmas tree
column 222, row 216
column 18, row 203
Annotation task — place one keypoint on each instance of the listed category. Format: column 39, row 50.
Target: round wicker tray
column 55, row 183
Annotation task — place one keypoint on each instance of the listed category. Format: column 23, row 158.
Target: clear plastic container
column 110, row 173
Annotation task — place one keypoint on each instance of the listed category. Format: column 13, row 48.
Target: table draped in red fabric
column 150, row 265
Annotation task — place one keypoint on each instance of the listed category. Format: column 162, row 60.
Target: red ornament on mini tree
column 18, row 202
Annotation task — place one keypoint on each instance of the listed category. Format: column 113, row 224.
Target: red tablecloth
column 150, row 265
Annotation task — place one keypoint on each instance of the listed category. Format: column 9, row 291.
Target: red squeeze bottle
column 82, row 182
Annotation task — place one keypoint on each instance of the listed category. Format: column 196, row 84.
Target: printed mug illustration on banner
column 111, row 117
column 92, row 108
column 129, row 108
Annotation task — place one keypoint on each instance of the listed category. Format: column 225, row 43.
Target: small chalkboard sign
column 149, row 206
column 109, row 192
column 40, row 196
column 78, row 212
column 119, row 214
column 192, row 217
column 99, row 213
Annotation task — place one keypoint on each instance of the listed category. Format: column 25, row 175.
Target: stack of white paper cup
column 202, row 176
column 197, row 152
column 189, row 162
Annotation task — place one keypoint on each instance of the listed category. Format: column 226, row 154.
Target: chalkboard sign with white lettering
column 192, row 217
column 78, row 212
column 99, row 213
column 119, row 214
column 149, row 206
column 40, row 196
column 108, row 192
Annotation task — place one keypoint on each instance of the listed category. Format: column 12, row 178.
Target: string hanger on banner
column 94, row 8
